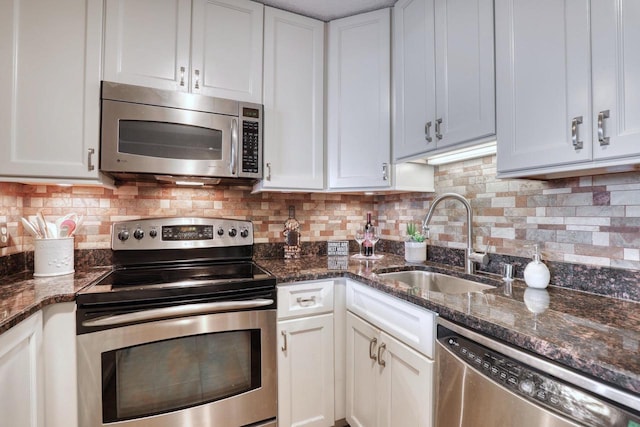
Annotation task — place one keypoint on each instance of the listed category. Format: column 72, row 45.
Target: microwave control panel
column 251, row 142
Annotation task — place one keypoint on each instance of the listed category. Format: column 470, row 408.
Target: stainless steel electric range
column 182, row 331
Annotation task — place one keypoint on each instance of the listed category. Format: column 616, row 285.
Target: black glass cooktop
column 177, row 281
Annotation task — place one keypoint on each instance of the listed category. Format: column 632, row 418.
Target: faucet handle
column 481, row 258
column 425, row 231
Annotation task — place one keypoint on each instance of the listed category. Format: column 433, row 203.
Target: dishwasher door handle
column 176, row 311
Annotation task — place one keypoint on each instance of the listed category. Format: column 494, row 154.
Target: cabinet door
column 542, row 82
column 414, row 78
column 359, row 101
column 616, row 77
column 226, row 49
column 293, row 101
column 146, row 43
column 406, row 386
column 50, row 84
column 60, row 367
column 465, row 75
column 305, row 372
column 22, row 391
column 362, row 372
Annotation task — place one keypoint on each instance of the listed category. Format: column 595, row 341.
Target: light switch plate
column 4, row 235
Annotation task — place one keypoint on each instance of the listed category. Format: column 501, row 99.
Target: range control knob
column 138, row 234
column 123, row 235
column 244, row 233
column 153, row 233
column 233, row 232
column 220, row 231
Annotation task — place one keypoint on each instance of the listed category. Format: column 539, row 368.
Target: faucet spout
column 471, row 257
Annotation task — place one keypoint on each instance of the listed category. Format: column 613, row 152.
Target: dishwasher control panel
column 536, row 386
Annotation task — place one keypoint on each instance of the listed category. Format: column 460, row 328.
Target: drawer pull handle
column 306, row 302
column 372, row 349
column 427, row 132
column 182, row 70
column 575, row 137
column 602, row 115
column 284, row 347
column 381, row 349
column 90, row 154
column 438, row 129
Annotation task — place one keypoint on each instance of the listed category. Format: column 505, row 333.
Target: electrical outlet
column 4, row 235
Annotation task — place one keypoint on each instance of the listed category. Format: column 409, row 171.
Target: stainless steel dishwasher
column 484, row 383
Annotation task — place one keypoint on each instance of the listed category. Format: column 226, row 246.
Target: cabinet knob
column 575, row 138
column 602, row 115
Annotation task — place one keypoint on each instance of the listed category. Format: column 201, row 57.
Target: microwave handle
column 176, row 311
column 234, row 145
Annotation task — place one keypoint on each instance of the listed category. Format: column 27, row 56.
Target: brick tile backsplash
column 588, row 220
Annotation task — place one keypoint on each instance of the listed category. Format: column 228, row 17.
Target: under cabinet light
column 190, row 183
column 474, row 152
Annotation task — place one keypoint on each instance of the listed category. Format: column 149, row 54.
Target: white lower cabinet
column 306, row 354
column 21, row 371
column 389, row 383
column 60, row 373
column 38, row 370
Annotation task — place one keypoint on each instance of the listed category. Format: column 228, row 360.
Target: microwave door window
column 170, row 140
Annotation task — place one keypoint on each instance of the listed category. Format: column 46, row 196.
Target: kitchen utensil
column 42, row 225
column 67, row 227
column 52, row 230
column 78, row 223
column 30, row 228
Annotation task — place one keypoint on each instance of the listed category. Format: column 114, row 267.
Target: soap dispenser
column 536, row 273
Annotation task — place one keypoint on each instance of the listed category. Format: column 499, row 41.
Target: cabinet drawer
column 305, row 298
column 412, row 325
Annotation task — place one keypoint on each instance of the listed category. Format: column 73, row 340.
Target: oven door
column 206, row 370
column 138, row 138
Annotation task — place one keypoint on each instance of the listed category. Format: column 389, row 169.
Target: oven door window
column 164, row 376
column 169, row 140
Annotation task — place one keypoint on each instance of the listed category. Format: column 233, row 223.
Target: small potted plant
column 415, row 248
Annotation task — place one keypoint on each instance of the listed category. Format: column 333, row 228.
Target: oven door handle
column 177, row 311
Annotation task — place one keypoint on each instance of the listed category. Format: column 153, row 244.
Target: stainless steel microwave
column 176, row 136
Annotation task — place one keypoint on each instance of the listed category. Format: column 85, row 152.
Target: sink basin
column 436, row 282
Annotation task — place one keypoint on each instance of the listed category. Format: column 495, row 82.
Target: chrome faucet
column 470, row 256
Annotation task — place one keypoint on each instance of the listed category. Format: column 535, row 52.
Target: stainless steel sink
column 436, row 282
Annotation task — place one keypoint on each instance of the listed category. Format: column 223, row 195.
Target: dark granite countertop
column 21, row 294
column 595, row 335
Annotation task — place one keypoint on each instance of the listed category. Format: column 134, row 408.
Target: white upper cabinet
column 147, row 43
column 226, row 49
column 444, row 75
column 568, row 86
column 358, row 135
column 543, row 90
column 50, row 84
column 211, row 47
column 293, row 102
column 616, row 78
